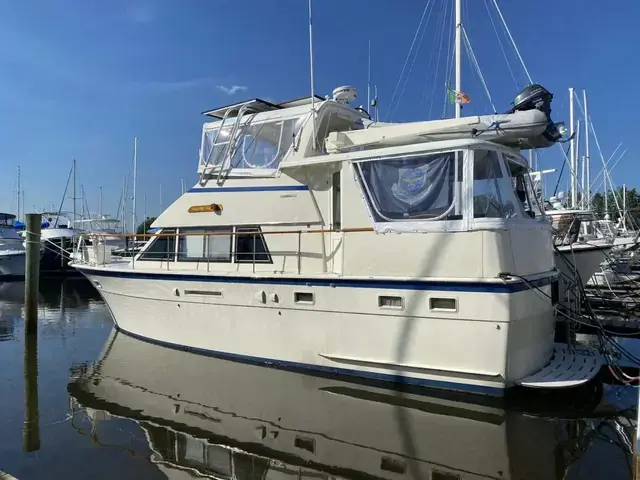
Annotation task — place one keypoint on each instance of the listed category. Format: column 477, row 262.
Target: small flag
column 458, row 97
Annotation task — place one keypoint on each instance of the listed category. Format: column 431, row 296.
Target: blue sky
column 81, row 78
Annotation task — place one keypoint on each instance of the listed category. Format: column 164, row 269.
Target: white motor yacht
column 12, row 251
column 317, row 239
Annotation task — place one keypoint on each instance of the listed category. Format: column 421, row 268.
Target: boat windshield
column 6, row 219
column 528, row 198
column 257, row 146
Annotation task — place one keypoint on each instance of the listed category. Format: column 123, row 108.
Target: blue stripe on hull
column 442, row 286
column 309, row 368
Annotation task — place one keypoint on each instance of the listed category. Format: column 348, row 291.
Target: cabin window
column 257, row 146
column 200, row 244
column 411, row 187
column 251, row 246
column 492, row 196
column 161, row 247
column 523, row 188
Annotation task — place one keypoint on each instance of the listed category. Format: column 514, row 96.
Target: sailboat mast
column 100, row 202
column 458, row 48
column 135, row 172
column 587, row 158
column 74, row 191
column 18, row 195
column 124, row 205
column 572, row 153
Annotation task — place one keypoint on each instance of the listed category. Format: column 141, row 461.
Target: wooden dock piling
column 32, row 273
column 31, row 427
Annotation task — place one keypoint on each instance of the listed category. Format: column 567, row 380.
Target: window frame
column 170, row 237
column 260, row 238
column 181, row 256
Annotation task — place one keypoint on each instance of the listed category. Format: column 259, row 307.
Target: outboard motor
column 539, row 98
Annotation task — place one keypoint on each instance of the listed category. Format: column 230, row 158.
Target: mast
column 18, row 195
column 124, row 205
column 100, row 202
column 572, row 153
column 458, row 48
column 135, row 172
column 624, row 207
column 160, row 200
column 74, row 192
column 587, row 157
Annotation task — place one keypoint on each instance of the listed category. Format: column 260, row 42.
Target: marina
column 328, row 288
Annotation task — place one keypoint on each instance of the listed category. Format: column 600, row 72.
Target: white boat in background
column 108, row 228
column 12, row 251
column 397, row 257
column 206, row 417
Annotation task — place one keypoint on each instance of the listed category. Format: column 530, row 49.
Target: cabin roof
column 259, row 105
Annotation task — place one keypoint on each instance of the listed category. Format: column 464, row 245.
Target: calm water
column 110, row 406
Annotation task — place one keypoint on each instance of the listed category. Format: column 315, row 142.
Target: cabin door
column 336, row 236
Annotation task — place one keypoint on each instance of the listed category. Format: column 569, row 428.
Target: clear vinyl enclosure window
column 492, row 197
column 256, row 145
column 524, row 190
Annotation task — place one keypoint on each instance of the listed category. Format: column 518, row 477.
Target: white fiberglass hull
column 500, row 332
column 585, row 259
column 12, row 263
column 228, row 410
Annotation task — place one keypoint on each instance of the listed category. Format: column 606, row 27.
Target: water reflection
column 56, row 297
column 207, row 417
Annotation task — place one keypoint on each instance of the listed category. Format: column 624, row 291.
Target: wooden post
column 31, row 426
column 32, row 273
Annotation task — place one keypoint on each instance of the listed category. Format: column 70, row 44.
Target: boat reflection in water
column 209, row 417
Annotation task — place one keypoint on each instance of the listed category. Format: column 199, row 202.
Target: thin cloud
column 232, row 90
column 140, row 14
column 172, row 85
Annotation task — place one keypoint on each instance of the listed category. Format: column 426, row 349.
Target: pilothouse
column 318, row 239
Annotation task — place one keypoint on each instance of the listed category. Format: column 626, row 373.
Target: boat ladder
column 223, row 156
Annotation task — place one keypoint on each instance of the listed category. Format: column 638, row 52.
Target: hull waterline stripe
column 453, row 286
column 390, row 378
column 269, row 188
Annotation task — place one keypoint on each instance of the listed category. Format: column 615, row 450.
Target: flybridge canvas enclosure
column 262, row 140
column 445, row 191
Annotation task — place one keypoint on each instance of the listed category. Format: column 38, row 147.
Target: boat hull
column 499, row 333
column 585, row 259
column 12, row 264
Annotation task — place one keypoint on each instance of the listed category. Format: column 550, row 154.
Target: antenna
column 313, row 96
column 369, row 79
column 458, row 25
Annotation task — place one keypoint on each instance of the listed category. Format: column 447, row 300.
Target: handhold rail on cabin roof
column 230, row 233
